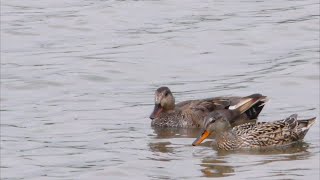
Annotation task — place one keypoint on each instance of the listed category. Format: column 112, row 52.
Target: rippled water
column 78, row 77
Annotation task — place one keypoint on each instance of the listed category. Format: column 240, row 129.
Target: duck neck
column 226, row 140
column 170, row 105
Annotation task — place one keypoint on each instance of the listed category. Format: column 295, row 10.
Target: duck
column 259, row 135
column 191, row 113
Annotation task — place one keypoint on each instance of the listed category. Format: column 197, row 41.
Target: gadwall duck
column 253, row 135
column 190, row 114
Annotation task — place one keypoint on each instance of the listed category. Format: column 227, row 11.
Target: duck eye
column 166, row 94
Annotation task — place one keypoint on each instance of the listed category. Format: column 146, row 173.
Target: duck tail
column 300, row 127
column 305, row 124
column 251, row 105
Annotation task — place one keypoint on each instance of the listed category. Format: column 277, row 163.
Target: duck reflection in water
column 212, row 167
column 163, row 133
column 162, row 147
column 222, row 164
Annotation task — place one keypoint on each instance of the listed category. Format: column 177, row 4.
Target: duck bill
column 202, row 137
column 156, row 111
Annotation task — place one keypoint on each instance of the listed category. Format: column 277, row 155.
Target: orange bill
column 202, row 137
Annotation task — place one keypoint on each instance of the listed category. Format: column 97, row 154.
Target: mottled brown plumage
column 190, row 114
column 254, row 135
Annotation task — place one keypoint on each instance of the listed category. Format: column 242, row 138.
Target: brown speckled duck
column 190, row 114
column 253, row 135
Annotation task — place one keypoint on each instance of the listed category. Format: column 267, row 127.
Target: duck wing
column 209, row 104
column 281, row 132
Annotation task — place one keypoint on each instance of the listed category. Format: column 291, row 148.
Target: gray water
column 78, row 78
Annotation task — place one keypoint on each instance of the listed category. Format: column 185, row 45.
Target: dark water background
column 78, row 77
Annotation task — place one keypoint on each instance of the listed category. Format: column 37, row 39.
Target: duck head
column 215, row 122
column 163, row 101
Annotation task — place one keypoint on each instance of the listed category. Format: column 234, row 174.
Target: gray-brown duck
column 190, row 114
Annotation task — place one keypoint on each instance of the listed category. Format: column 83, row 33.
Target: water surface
column 78, row 77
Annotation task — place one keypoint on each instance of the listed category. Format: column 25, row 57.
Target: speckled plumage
column 190, row 114
column 264, row 134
